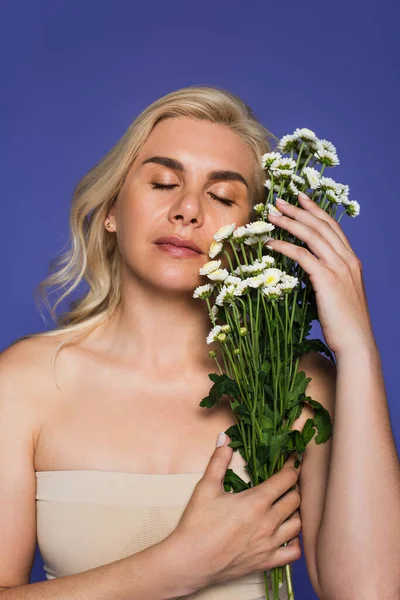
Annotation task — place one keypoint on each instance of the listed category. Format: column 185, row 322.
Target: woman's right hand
column 229, row 535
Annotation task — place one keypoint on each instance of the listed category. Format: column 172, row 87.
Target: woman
column 111, row 469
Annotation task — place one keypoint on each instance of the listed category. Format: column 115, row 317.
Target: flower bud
column 212, row 354
column 236, row 351
column 221, row 337
column 226, row 328
column 243, row 331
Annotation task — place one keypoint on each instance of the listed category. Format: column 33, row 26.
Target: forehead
column 198, row 143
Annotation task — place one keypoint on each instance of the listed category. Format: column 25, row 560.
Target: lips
column 179, row 242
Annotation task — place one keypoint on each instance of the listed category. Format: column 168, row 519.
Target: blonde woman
column 106, row 458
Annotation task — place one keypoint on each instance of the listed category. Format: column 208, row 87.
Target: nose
column 187, row 209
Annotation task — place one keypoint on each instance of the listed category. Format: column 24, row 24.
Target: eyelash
column 169, row 187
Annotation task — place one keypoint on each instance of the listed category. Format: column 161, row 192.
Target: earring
column 109, row 224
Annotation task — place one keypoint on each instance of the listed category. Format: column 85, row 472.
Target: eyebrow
column 173, row 163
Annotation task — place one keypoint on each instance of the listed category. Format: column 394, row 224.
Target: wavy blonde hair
column 93, row 254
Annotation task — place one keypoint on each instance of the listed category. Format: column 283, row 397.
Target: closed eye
column 169, row 187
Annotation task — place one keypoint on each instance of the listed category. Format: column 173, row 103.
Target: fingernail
column 221, row 439
column 281, row 201
column 274, row 211
column 303, row 196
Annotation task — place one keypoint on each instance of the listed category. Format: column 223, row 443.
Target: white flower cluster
column 283, row 178
column 273, row 282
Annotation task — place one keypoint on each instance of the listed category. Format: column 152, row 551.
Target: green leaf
column 222, row 385
column 234, row 433
column 308, row 431
column 298, row 441
column 322, row 420
column 233, row 482
column 299, row 387
column 236, row 444
column 262, row 454
column 277, row 443
column 317, row 345
column 267, row 422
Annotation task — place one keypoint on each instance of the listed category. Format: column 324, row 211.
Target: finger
column 314, row 209
column 215, row 471
column 288, row 530
column 279, row 483
column 319, row 236
column 308, row 262
column 283, row 508
column 288, row 554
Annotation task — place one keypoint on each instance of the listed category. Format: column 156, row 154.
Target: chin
column 177, row 279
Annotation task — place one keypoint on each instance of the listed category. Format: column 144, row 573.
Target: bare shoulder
column 23, row 357
column 23, row 375
column 26, row 374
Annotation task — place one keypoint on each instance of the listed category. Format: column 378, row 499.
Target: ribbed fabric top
column 88, row 518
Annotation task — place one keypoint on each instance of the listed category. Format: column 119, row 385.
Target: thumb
column 219, row 461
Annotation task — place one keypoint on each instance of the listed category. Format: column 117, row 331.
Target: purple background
column 75, row 74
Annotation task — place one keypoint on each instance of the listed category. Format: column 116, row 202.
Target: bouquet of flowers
column 261, row 310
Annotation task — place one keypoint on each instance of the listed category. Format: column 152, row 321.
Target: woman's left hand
column 335, row 273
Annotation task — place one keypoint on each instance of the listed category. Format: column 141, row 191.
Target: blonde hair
column 93, row 254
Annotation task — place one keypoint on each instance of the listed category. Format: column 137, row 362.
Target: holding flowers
column 261, row 314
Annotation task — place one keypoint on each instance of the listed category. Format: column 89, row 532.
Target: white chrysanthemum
column 212, row 336
column 288, row 143
column 224, row 233
column 326, row 145
column 294, row 190
column 252, row 240
column 287, row 282
column 259, row 208
column 305, row 134
column 225, row 294
column 327, row 183
column 241, row 288
column 209, row 267
column 312, row 176
column 353, row 208
column 266, row 259
column 203, row 291
column 259, row 227
column 214, row 311
column 240, row 269
column 330, row 159
column 255, row 239
column 298, row 179
column 232, row 280
column 269, row 158
column 257, row 281
column 332, row 197
column 342, row 192
column 283, row 167
column 272, row 292
column 215, row 249
column 218, row 275
column 240, row 234
column 272, row 276
column 259, row 266
column 268, row 185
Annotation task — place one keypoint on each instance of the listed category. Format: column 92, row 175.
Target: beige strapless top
column 88, row 518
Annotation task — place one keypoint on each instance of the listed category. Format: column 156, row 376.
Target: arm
column 153, row 574
column 160, row 572
column 358, row 552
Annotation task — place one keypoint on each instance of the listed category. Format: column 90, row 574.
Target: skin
column 130, row 390
column 152, row 355
column 158, row 284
